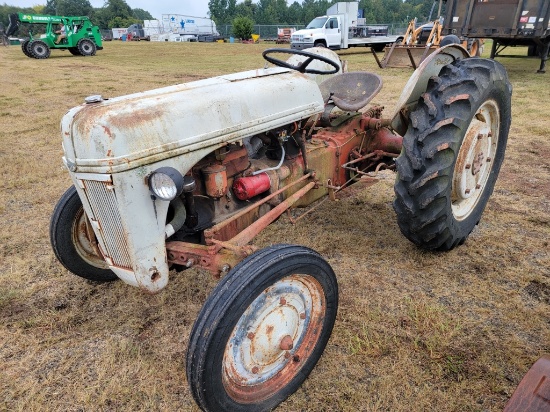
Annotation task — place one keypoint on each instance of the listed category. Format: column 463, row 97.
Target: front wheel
column 262, row 330
column 452, row 153
column 74, row 242
column 86, row 47
column 39, row 49
column 25, row 48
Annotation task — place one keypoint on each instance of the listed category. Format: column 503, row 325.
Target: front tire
column 73, row 241
column 39, row 49
column 262, row 330
column 86, row 47
column 25, row 48
column 452, row 153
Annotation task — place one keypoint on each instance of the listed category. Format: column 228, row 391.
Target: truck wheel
column 25, row 48
column 452, row 153
column 319, row 44
column 73, row 242
column 39, row 49
column 262, row 330
column 86, row 47
column 378, row 47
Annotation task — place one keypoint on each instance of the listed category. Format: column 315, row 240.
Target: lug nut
column 468, row 166
column 282, row 301
column 255, row 369
column 250, row 335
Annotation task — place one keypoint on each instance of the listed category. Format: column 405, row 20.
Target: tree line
column 117, row 13
column 279, row 12
column 114, row 13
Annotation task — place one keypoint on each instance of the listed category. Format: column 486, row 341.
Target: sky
column 195, row 8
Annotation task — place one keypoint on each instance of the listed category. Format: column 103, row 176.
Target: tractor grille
column 102, row 199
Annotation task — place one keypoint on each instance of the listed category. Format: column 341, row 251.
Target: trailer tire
column 39, row 49
column 86, row 47
column 262, row 330
column 452, row 153
column 70, row 242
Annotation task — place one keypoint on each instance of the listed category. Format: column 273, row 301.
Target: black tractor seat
column 351, row 91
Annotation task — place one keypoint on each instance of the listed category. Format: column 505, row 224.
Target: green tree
column 247, row 9
column 243, row 27
column 74, row 8
column 222, row 11
column 141, row 14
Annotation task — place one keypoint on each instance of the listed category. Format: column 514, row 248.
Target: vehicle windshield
column 317, row 23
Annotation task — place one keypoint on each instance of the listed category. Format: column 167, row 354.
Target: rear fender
column 418, row 82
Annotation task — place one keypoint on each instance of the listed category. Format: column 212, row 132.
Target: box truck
column 341, row 28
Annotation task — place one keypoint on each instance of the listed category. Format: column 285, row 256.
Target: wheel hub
column 473, row 165
column 273, row 336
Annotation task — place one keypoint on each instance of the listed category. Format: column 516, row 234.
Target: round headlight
column 166, row 183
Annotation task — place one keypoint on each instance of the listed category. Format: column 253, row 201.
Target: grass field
column 416, row 331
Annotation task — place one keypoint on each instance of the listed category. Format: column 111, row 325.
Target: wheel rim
column 474, row 49
column 84, row 241
column 474, row 162
column 40, row 50
column 273, row 338
column 86, row 46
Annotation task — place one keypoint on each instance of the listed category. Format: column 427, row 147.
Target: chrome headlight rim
column 165, row 183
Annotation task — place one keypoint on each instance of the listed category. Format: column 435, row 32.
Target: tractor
column 186, row 176
column 82, row 37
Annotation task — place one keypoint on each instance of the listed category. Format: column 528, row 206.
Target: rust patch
column 456, row 98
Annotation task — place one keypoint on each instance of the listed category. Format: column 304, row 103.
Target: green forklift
column 76, row 34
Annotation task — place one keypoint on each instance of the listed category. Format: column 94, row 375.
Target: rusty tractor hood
column 114, row 135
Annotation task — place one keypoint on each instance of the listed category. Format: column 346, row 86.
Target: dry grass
column 415, row 331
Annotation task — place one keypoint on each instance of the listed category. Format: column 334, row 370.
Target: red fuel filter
column 246, row 188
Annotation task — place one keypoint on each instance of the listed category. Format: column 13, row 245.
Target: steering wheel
column 302, row 67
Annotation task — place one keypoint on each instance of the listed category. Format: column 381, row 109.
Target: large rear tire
column 452, row 153
column 39, row 49
column 262, row 330
column 73, row 241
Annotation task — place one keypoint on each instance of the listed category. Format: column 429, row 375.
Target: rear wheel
column 39, row 49
column 86, row 47
column 74, row 242
column 262, row 330
column 452, row 153
column 25, row 48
